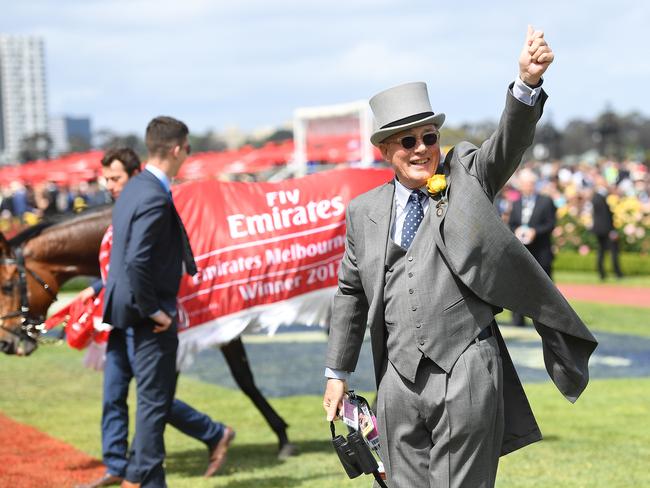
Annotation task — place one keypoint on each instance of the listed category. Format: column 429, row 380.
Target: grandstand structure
column 337, row 133
column 326, row 135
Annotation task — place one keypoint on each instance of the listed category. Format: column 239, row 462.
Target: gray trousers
column 444, row 430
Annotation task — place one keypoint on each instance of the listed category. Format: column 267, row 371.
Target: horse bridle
column 30, row 327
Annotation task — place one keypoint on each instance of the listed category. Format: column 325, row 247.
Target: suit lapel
column 377, row 223
column 516, row 212
column 438, row 207
column 537, row 208
column 188, row 257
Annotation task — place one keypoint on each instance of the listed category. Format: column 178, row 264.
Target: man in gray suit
column 427, row 271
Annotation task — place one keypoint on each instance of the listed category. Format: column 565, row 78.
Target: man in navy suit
column 533, row 219
column 118, row 166
column 149, row 254
column 603, row 227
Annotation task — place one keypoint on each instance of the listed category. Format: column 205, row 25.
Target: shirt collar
column 160, row 176
column 402, row 193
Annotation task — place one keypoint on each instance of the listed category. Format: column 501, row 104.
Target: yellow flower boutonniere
column 436, row 184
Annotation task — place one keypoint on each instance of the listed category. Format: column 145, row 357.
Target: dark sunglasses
column 409, row 142
column 188, row 149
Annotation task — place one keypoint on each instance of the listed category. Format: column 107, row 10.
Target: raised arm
column 499, row 156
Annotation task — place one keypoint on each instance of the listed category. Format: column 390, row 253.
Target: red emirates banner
column 267, row 253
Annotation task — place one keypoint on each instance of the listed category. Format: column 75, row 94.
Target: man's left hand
column 333, row 397
column 525, row 234
column 86, row 294
column 535, row 57
column 532, row 233
column 162, row 320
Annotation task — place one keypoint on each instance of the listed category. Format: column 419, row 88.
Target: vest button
column 411, row 291
column 410, row 258
column 414, row 308
column 418, row 326
column 410, row 275
column 422, row 343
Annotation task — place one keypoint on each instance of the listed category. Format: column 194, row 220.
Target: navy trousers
column 118, row 372
column 611, row 245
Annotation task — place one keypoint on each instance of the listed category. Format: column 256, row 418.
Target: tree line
column 609, row 135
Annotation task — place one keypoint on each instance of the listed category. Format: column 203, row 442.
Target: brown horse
column 34, row 265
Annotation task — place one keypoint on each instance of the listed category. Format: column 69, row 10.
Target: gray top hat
column 400, row 108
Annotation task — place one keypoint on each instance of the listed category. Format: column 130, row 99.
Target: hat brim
column 382, row 134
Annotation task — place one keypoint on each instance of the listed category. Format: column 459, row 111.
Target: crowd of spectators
column 571, row 187
column 22, row 205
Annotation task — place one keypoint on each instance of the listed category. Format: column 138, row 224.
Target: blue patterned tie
column 413, row 218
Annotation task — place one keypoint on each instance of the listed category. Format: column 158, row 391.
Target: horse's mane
column 55, row 221
column 30, row 232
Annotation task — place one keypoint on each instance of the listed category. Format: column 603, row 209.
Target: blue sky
column 251, row 62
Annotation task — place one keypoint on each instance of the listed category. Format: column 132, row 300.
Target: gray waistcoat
column 417, row 281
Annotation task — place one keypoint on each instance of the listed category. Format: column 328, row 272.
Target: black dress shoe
column 106, row 480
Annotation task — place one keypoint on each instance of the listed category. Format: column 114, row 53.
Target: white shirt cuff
column 337, row 374
column 525, row 94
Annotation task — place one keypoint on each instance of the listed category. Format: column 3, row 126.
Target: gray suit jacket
column 480, row 250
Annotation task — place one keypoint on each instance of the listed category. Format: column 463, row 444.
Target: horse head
column 34, row 265
column 17, row 334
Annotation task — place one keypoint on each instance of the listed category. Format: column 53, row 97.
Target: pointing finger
column 331, row 414
column 331, row 410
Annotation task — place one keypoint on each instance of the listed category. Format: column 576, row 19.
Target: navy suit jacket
column 543, row 220
column 603, row 219
column 147, row 254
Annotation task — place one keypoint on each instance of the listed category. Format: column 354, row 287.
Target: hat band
column 408, row 120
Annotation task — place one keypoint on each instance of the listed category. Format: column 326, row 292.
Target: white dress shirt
column 160, row 176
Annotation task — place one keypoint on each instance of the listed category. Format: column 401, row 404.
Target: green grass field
column 599, row 317
column 577, row 277
column 616, row 319
column 601, row 441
